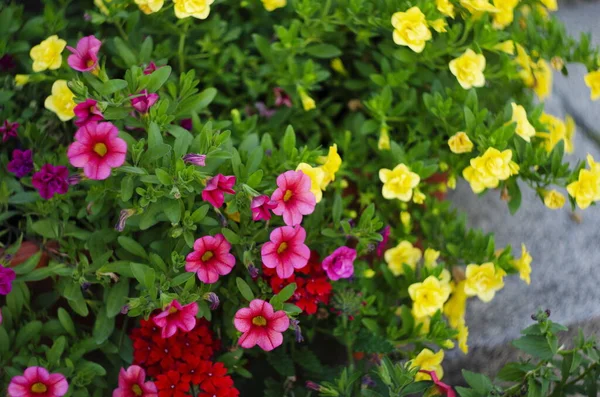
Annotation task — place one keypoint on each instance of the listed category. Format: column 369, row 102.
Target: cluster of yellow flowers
column 586, row 189
column 322, row 176
column 195, row 8
column 488, row 170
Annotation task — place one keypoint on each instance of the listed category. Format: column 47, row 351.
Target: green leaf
column 24, row 198
column 323, row 51
column 196, row 103
column 48, row 228
column 155, row 137
column 66, row 321
column 29, row 264
column 464, row 392
column 289, row 141
column 535, row 345
column 163, row 176
column 152, row 82
column 132, row 246
column 145, row 275
column 478, row 382
column 254, row 159
column 199, row 214
column 337, row 208
column 255, row 178
column 172, row 210
column 117, row 297
column 231, row 236
column 287, row 292
column 181, row 278
column 27, row 333
column 103, row 327
column 55, row 352
column 112, row 86
column 4, row 342
column 244, row 289
column 125, row 52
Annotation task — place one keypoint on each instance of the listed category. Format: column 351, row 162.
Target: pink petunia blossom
column 132, row 383
column 293, row 197
column 261, row 206
column 87, row 112
column 85, row 55
column 144, row 102
column 216, row 187
column 286, row 251
column 7, row 275
column 210, row 258
column 444, row 389
column 38, row 382
column 176, row 317
column 97, row 149
column 340, row 264
column 261, row 325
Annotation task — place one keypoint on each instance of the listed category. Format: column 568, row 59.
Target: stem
column 583, row 375
column 180, row 50
column 123, row 331
column 348, row 341
column 122, row 33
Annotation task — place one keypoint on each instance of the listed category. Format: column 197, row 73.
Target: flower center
column 172, row 310
column 136, row 389
column 39, row 387
column 260, row 321
column 90, row 62
column 282, row 247
column 100, row 149
column 207, row 256
column 288, row 195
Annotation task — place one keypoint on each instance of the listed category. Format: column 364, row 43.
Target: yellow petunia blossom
column 271, row 5
column 592, row 80
column 61, row 101
column 192, row 8
column 439, row 25
column 456, row 307
column 384, row 139
column 507, row 47
column 403, row 253
column 551, row 5
column 542, row 74
column 331, row 165
column 429, row 296
column 398, row 183
column 410, row 29
column 428, row 361
column 316, row 175
column 150, row 6
column 523, row 265
column 463, row 335
column 483, row 281
column 505, row 14
column 554, row 200
column 21, row 80
column 488, row 170
column 460, row 143
column 478, row 7
column 585, row 189
column 524, row 128
column 445, row 7
column 430, row 257
column 468, row 69
column 47, row 54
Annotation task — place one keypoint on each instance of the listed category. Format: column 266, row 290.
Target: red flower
column 171, row 385
column 214, row 377
column 192, row 370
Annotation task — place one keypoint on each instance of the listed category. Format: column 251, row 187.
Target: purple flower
column 74, row 179
column 213, row 299
column 87, row 112
column 144, row 102
column 51, row 180
column 282, row 98
column 253, row 270
column 297, row 330
column 7, row 275
column 21, row 163
column 261, row 207
column 8, row 130
column 340, row 264
column 264, row 111
column 150, row 68
column 195, row 159
column 385, row 233
column 85, row 56
column 186, row 123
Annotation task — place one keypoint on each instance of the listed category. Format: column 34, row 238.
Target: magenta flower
column 8, row 130
column 340, row 264
column 261, row 325
column 87, row 112
column 150, row 68
column 261, row 206
column 444, row 389
column 210, row 258
column 216, row 187
column 286, row 251
column 7, row 275
column 187, row 124
column 85, row 55
column 132, row 383
column 383, row 243
column 144, row 102
column 282, row 98
column 38, row 382
column 176, row 317
column 21, row 163
column 195, row 159
column 293, row 197
column 97, row 149
column 51, row 180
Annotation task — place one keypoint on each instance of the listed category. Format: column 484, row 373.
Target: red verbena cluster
column 312, row 284
column 182, row 360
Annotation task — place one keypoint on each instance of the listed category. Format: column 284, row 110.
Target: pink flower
column 383, row 243
column 97, row 149
column 195, row 159
column 8, row 130
column 260, row 325
column 150, row 68
column 443, row 388
column 38, row 382
column 286, row 251
column 132, row 383
column 216, row 187
column 281, row 98
column 7, row 275
column 260, row 207
column 144, row 102
column 210, row 258
column 51, row 180
column 85, row 56
column 87, row 112
column 176, row 316
column 340, row 264
column 293, row 197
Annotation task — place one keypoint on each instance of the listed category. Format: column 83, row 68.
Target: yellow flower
column 507, row 47
column 445, row 7
column 456, row 307
column 478, row 7
column 524, row 60
column 429, row 296
column 369, row 273
column 505, row 14
column 586, row 189
column 405, row 219
column 570, row 134
column 483, row 281
column 439, row 25
column 384, row 139
column 468, row 69
column 554, row 200
column 21, row 80
column 47, row 54
column 514, row 168
column 551, row 5
column 403, row 253
column 271, row 5
column 592, row 80
column 410, row 29
column 523, row 265
column 463, row 335
column 316, row 175
column 338, row 66
column 331, row 165
column 234, row 216
column 307, row 102
column 398, row 183
column 557, row 63
column 150, row 6
column 418, row 197
column 557, row 131
column 477, row 180
column 192, row 8
column 431, row 256
column 61, row 101
column 542, row 74
column 460, row 143
column 428, row 361
column 524, row 128
column 494, row 164
column 452, row 182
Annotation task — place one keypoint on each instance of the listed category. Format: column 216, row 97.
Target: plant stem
column 122, row 33
column 181, row 49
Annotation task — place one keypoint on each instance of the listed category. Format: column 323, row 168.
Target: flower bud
column 126, row 213
column 213, row 299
